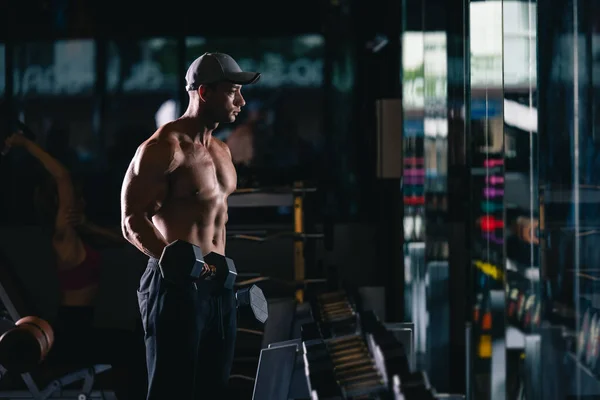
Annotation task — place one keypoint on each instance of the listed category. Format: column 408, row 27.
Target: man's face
column 224, row 101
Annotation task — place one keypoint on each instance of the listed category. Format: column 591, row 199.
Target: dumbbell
column 365, row 387
column 337, row 312
column 583, row 335
column 253, row 296
column 343, row 327
column 338, row 357
column 182, row 262
column 26, row 344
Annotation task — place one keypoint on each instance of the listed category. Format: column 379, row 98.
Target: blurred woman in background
column 60, row 205
column 76, row 242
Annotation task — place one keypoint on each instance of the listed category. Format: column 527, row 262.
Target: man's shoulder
column 163, row 143
column 168, row 132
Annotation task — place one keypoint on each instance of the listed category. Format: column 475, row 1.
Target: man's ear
column 203, row 92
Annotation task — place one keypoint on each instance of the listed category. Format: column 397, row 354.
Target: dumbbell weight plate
column 349, row 350
column 336, row 304
column 343, row 339
column 584, row 332
column 358, row 379
column 258, row 304
column 591, row 354
column 356, row 371
column 521, row 307
column 351, row 340
column 254, row 298
column 529, row 309
column 47, row 333
column 181, row 262
column 354, row 364
column 26, row 345
column 350, row 357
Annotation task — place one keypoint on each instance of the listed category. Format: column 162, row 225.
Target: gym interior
column 415, row 194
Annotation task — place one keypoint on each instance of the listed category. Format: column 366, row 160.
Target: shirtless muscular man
column 176, row 188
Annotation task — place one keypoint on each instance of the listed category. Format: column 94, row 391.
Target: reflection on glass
column 487, row 194
column 142, row 89
column 2, row 69
column 523, row 296
column 148, row 65
column 53, row 87
column 569, row 199
column 62, row 68
column 287, row 61
column 435, row 152
column 413, row 101
column 277, row 139
column 425, row 203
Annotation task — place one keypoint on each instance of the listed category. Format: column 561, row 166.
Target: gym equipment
column 591, row 352
column 13, row 298
column 182, row 262
column 280, row 197
column 222, row 269
column 513, row 298
column 252, row 296
column 331, row 363
column 264, row 237
column 529, row 310
column 26, row 345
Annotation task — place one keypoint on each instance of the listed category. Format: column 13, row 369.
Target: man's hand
column 207, row 271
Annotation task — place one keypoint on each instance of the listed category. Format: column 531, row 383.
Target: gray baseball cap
column 217, row 67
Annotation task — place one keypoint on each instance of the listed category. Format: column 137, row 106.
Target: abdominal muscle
column 198, row 222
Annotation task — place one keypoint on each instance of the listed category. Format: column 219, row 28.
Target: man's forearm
column 140, row 232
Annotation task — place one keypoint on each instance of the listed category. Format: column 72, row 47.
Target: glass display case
column 513, row 140
column 425, row 131
column 476, row 283
column 569, row 200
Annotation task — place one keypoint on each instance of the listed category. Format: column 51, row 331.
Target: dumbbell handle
column 242, row 296
column 253, row 297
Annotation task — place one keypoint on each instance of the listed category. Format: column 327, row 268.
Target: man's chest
column 205, row 176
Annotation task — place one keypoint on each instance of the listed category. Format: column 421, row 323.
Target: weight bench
column 12, row 296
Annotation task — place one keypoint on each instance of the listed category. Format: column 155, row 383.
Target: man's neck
column 200, row 129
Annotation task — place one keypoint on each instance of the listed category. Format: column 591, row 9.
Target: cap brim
column 243, row 78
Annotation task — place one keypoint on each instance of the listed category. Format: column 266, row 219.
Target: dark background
column 336, row 116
